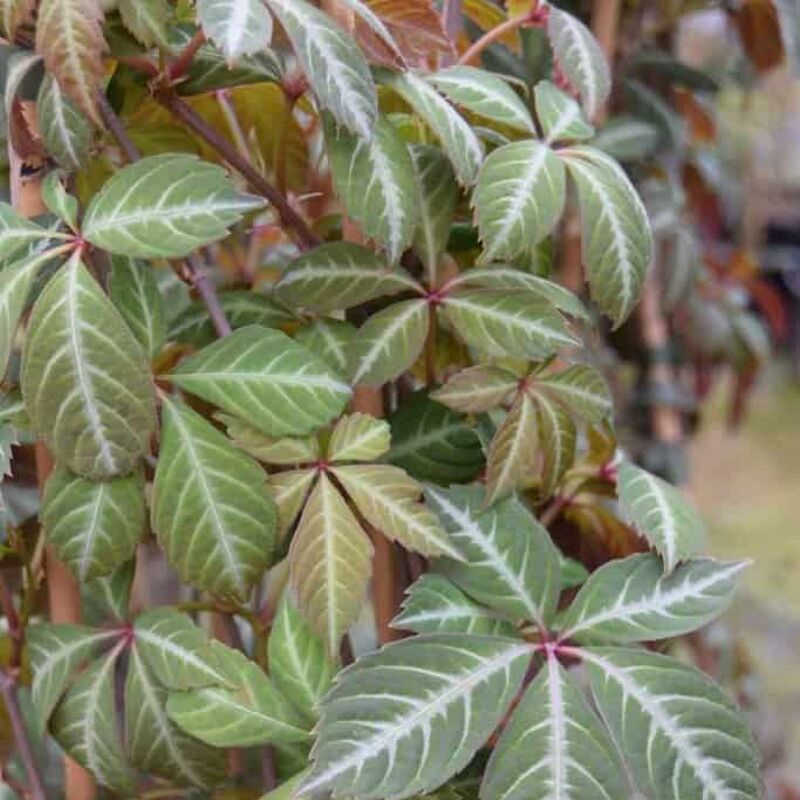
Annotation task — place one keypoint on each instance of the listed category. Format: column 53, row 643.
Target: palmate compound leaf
column 511, row 564
column 328, row 339
column 359, row 437
column 15, row 284
column 14, row 13
column 631, row 600
column 476, row 389
column 507, row 324
column 69, row 37
column 85, row 724
column 330, row 561
column 250, row 711
column 58, row 200
column 554, row 747
column 94, row 526
column 332, row 62
column 616, row 239
column 661, row 514
column 298, row 662
column 390, row 501
column 285, row 451
column 261, row 375
column 519, row 198
column 239, row 27
column 154, row 743
column 65, row 130
column 680, row 735
column 435, row 605
column 338, row 275
column 147, row 20
column 389, row 342
column 56, row 652
column 456, row 137
column 211, row 507
column 17, row 233
column 85, row 379
column 176, row 650
column 165, row 206
column 580, row 58
column 582, row 389
column 404, row 720
column 559, row 115
column 557, row 439
column 375, row 180
column 289, row 490
column 484, row 94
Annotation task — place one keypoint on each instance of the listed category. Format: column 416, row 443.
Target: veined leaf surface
column 263, row 376
column 147, row 20
column 557, row 439
column 631, row 600
column 85, row 379
column 582, row 389
column 288, row 450
column 359, row 437
column 239, row 27
column 16, row 232
column 452, row 689
column 476, row 389
column 335, row 67
column 65, row 130
column 94, row 526
column 688, row 737
column 519, row 198
column 165, row 206
column 511, row 564
column 661, row 514
column 211, row 508
column 559, row 115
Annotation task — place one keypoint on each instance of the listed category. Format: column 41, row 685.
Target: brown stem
column 492, row 36
column 194, row 265
column 8, row 688
column 306, row 238
column 451, row 22
column 181, row 64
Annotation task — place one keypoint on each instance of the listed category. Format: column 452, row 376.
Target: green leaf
column 239, row 27
column 65, row 130
column 359, row 437
column 330, row 561
column 289, row 490
column 631, row 600
column 332, row 62
column 327, row 339
column 94, row 526
column 484, row 94
column 85, row 380
column 511, row 564
column 211, row 508
column 457, row 138
column 389, row 342
column 17, row 233
column 557, row 439
column 210, row 70
column 650, row 106
column 519, row 198
column 336, row 276
column 133, row 289
column 506, row 324
column 435, row 605
column 559, row 115
column 154, row 743
column 499, row 276
column 165, row 206
column 436, row 198
column 554, row 747
column 582, row 389
column 683, row 267
column 194, row 326
column 58, row 201
column 85, row 724
column 616, row 239
column 389, row 500
column 580, row 58
column 661, row 514
column 111, row 594
column 511, row 460
column 477, row 389
column 375, row 180
column 298, row 663
column 287, row 451
column 443, row 688
column 680, row 734
column 573, row 573
column 56, row 652
column 627, row 138
column 430, row 442
column 261, row 375
column 16, row 281
column 251, row 712
column 176, row 650
column 147, row 20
